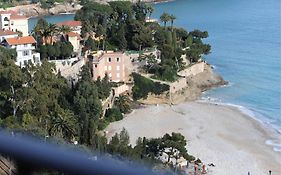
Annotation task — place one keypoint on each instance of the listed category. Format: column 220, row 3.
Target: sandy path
column 235, row 143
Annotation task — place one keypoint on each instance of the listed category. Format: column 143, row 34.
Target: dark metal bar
column 36, row 155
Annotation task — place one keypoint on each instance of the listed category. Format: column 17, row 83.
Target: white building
column 25, row 47
column 74, row 39
column 75, row 26
column 10, row 20
column 7, row 34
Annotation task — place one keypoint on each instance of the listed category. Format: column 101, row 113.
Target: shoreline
column 34, row 10
column 251, row 114
column 216, row 133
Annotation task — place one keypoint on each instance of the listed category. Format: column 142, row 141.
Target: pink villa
column 115, row 64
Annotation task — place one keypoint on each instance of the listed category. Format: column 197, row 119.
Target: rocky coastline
column 34, row 10
column 195, row 85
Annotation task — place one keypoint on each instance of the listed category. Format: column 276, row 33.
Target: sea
column 245, row 36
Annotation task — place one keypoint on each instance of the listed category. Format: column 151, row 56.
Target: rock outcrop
column 201, row 78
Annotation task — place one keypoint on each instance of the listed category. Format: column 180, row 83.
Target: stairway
column 6, row 167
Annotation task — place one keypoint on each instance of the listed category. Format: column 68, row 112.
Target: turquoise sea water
column 246, row 50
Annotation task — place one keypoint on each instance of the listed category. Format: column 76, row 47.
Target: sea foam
column 266, row 123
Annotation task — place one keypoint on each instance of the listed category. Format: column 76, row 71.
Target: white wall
column 20, row 25
column 7, row 36
column 193, row 70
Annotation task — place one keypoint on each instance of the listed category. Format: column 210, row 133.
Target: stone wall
column 193, row 70
column 121, row 89
column 178, row 85
column 69, row 69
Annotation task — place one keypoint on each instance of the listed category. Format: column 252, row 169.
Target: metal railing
column 32, row 155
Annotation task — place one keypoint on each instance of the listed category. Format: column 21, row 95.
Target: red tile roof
column 14, row 15
column 73, row 34
column 21, row 40
column 7, row 32
column 70, row 23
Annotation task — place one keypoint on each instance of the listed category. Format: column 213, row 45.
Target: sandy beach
column 217, row 134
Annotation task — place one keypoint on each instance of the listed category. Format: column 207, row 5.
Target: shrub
column 102, row 124
column 143, row 86
column 113, row 114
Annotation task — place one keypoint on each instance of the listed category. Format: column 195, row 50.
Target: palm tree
column 165, row 17
column 172, row 18
column 64, row 29
column 37, row 32
column 123, row 103
column 63, row 124
column 150, row 10
column 50, row 31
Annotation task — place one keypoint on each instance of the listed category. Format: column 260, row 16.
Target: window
column 118, row 75
column 117, row 67
column 117, row 59
column 109, row 67
column 25, row 45
column 105, row 68
column 109, row 59
column 110, row 75
column 25, row 62
column 96, row 65
column 25, row 52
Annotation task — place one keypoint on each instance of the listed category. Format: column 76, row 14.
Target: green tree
column 122, row 102
column 123, row 9
column 12, row 92
column 165, row 17
column 113, row 114
column 151, row 61
column 89, row 44
column 104, row 87
column 63, row 124
column 188, row 41
column 67, row 49
column 119, row 144
column 38, row 31
column 150, row 10
column 57, row 48
column 50, row 32
column 172, row 19
column 64, row 29
column 87, row 105
column 140, row 9
column 142, row 86
column 175, row 145
column 43, row 52
column 120, row 38
column 51, row 51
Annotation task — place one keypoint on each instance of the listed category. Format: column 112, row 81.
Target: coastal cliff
column 199, row 78
column 32, row 10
